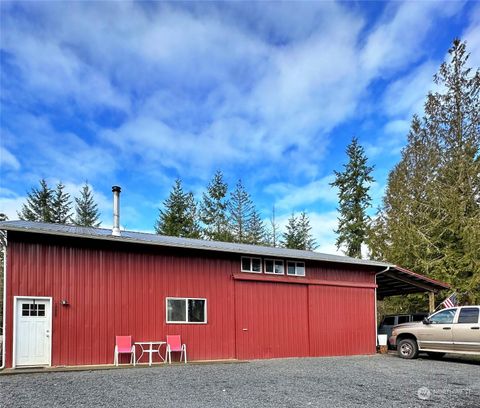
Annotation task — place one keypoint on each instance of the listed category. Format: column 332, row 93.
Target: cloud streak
column 140, row 93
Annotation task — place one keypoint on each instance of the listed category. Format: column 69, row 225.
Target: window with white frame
column 274, row 266
column 186, row 310
column 295, row 268
column 253, row 265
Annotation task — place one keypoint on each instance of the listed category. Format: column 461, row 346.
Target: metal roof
column 162, row 240
column 401, row 281
column 392, row 279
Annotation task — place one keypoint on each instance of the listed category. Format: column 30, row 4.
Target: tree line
column 228, row 217
column 220, row 215
column 46, row 204
column 428, row 221
column 429, row 218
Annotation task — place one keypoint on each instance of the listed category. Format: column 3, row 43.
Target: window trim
column 455, row 315
column 468, row 307
column 186, row 299
column 250, row 271
column 296, row 274
column 274, row 260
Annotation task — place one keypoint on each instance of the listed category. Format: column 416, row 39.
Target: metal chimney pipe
column 116, row 211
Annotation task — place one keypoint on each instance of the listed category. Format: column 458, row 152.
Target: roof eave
column 124, row 239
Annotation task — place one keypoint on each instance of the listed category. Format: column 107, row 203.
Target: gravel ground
column 371, row 381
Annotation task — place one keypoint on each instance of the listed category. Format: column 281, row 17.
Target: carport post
column 431, row 301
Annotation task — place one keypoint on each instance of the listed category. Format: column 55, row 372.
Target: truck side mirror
column 426, row 320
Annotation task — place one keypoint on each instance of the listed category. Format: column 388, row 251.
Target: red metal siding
column 275, row 317
column 121, row 293
column 341, row 320
column 121, row 289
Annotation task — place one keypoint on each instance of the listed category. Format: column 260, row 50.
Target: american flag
column 451, row 301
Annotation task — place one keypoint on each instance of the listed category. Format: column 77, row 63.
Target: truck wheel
column 407, row 348
column 434, row 354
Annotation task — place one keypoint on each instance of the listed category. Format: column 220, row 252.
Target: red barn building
column 70, row 290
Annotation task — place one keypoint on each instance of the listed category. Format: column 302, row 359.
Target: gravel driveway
column 372, row 381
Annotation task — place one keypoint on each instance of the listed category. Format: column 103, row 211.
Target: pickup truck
column 451, row 330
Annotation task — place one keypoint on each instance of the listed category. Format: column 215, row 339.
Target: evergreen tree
column 454, row 117
column 86, row 209
column 192, row 227
column 39, row 204
column 256, row 233
column 292, row 237
column 430, row 217
column 179, row 217
column 61, row 206
column 273, row 234
column 308, row 243
column 298, row 233
column 213, row 210
column 241, row 210
column 353, row 185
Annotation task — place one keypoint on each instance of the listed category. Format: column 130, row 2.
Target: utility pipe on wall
column 4, row 352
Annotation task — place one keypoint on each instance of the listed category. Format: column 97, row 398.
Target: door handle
column 447, row 328
column 475, row 328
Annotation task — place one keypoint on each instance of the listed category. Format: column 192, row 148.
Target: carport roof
column 401, row 281
column 391, row 279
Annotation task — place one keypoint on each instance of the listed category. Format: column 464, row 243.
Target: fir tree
column 273, row 234
column 298, row 233
column 86, row 209
column 192, row 227
column 430, row 217
column 454, row 117
column 39, row 204
column 241, row 210
column 353, row 184
column 292, row 237
column 179, row 216
column 61, row 206
column 213, row 210
column 308, row 243
column 256, row 234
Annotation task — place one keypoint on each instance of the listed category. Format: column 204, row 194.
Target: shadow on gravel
column 448, row 358
column 451, row 358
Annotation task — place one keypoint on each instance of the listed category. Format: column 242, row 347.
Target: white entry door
column 33, row 337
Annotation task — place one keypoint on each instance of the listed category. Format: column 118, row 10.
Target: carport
column 395, row 280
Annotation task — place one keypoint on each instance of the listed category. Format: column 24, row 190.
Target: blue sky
column 138, row 94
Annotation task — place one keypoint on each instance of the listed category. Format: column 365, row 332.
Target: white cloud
column 299, row 197
column 52, row 152
column 397, row 40
column 54, row 73
column 10, row 203
column 255, row 91
column 323, row 230
column 472, row 36
column 394, row 135
column 406, row 95
column 397, row 127
column 8, row 160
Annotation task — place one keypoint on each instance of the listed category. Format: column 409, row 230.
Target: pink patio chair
column 174, row 344
column 123, row 345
